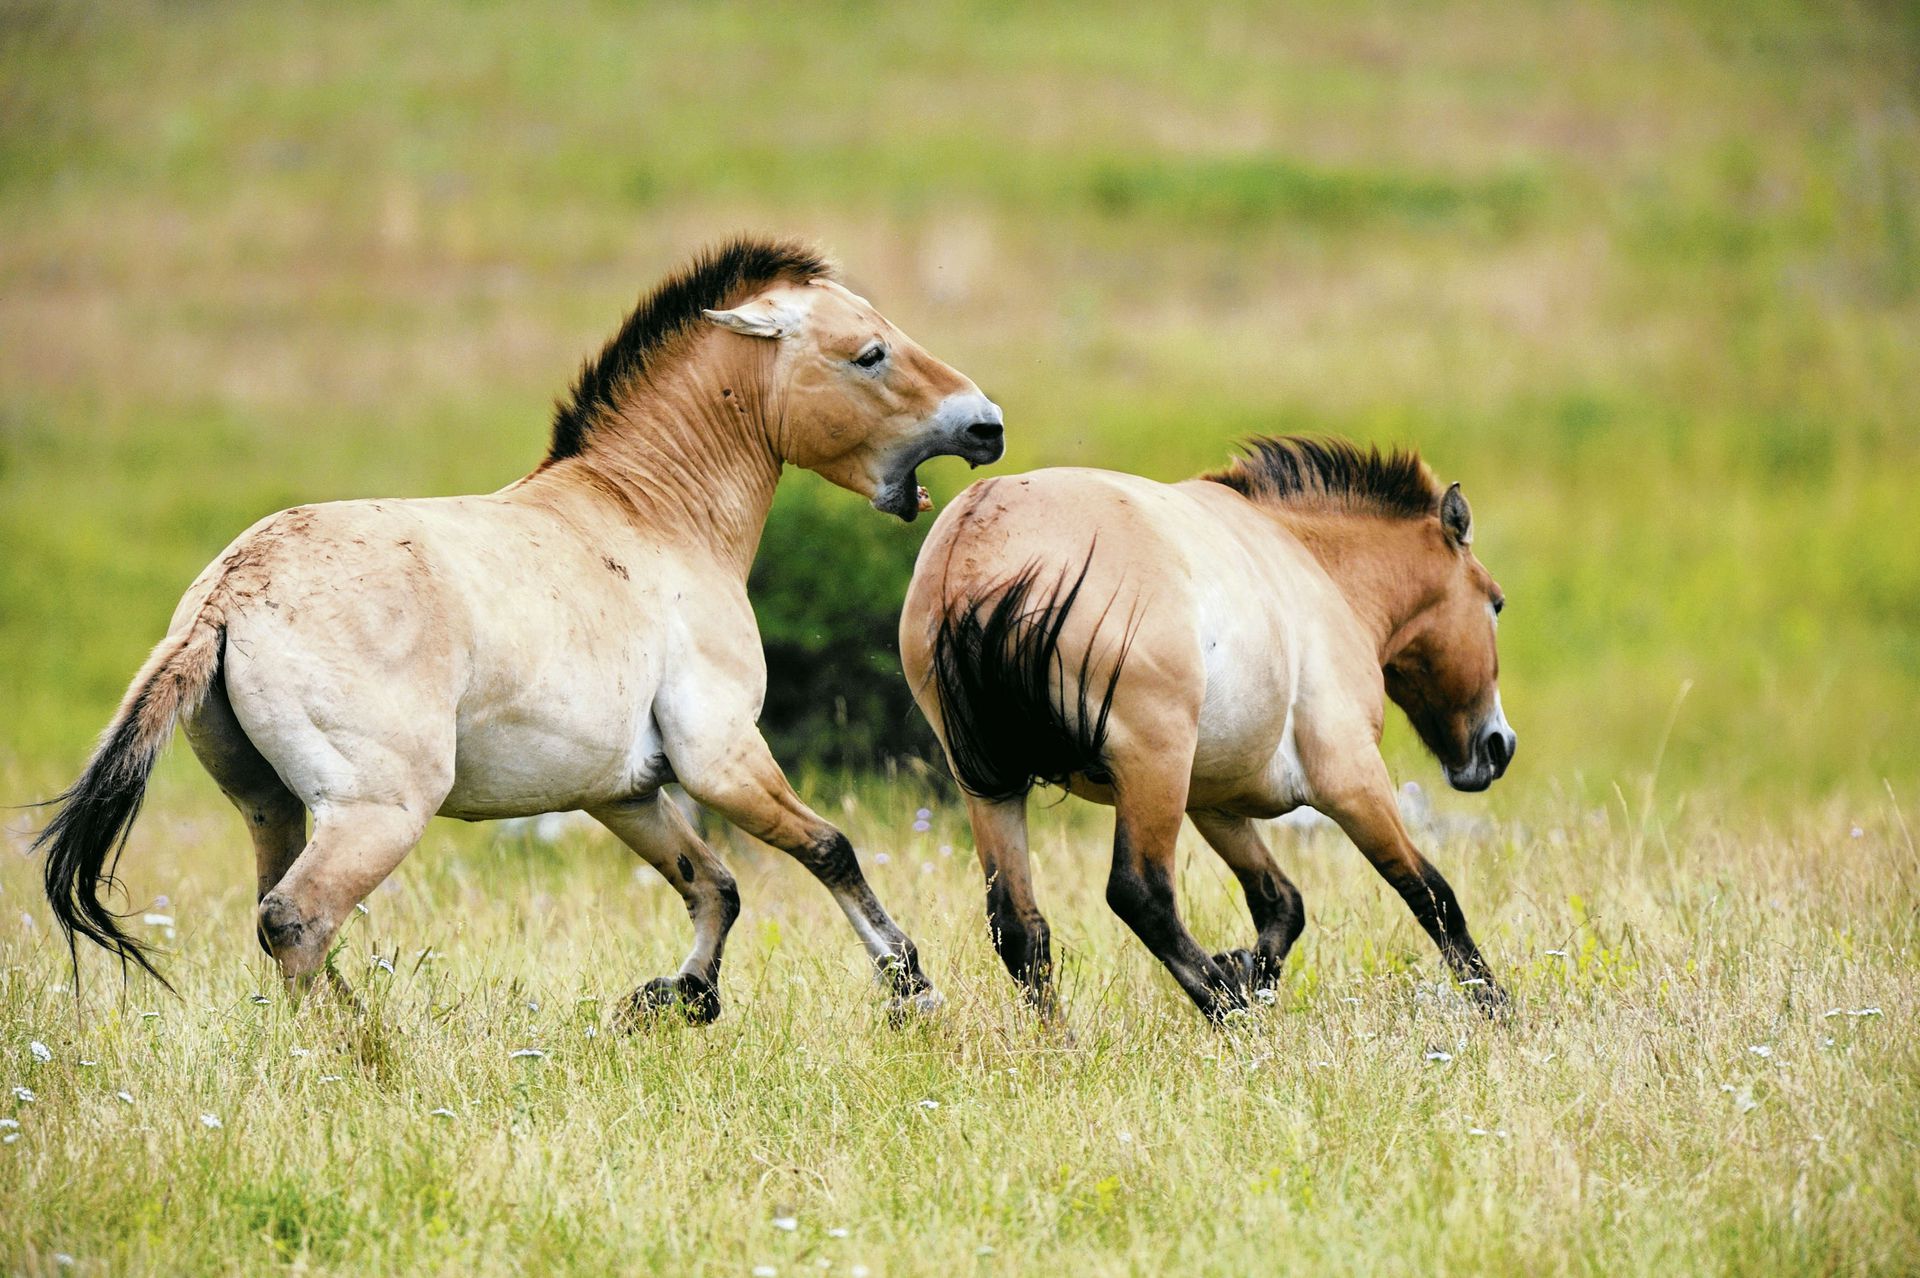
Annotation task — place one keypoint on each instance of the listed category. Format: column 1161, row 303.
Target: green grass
column 1625, row 1122
column 1645, row 278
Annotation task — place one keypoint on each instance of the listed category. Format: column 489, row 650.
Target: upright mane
column 716, row 278
column 1297, row 470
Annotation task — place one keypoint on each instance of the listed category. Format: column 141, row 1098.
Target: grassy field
column 1645, row 278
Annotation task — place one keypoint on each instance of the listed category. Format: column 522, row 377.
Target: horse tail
column 994, row 670
column 84, row 840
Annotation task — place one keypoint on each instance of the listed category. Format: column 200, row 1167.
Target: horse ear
column 762, row 318
column 1456, row 517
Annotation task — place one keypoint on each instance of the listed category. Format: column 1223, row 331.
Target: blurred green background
column 1645, row 278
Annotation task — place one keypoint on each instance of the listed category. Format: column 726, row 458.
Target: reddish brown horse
column 1219, row 649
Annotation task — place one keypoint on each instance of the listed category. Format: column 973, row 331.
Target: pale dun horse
column 573, row 641
column 1219, row 649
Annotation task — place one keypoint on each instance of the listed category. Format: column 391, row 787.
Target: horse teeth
column 926, row 498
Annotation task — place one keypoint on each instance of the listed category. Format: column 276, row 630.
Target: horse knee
column 1131, row 896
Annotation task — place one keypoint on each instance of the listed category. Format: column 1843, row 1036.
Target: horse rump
column 996, row 664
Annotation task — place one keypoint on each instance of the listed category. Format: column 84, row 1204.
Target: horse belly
column 566, row 753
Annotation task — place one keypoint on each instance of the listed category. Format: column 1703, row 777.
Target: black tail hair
column 993, row 671
column 84, row 840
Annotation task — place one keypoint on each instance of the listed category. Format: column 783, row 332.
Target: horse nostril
column 1500, row 747
column 986, row 432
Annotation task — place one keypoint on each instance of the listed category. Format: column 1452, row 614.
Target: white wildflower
column 157, row 920
column 921, row 827
column 41, row 1052
column 838, row 1231
column 9, row 1138
column 384, row 963
column 1267, row 996
column 1351, row 999
column 1442, row 1057
column 63, row 1260
column 360, row 907
column 1760, row 1049
column 923, row 814
column 88, row 1064
column 442, row 1112
column 24, row 1095
column 526, row 1054
column 298, row 1052
column 1557, row 953
column 786, row 1223
column 329, row 1078
column 1856, row 832
column 125, row 1097
column 764, row 1271
column 929, row 1104
column 859, row 1271
column 149, row 1016
column 983, row 1250
column 1126, row 1138
column 9, row 1124
column 209, row 1122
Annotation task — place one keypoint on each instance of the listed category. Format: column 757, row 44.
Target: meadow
column 1645, row 279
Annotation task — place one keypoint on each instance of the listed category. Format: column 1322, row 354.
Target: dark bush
column 827, row 588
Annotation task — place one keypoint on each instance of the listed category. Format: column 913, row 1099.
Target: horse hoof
column 1245, row 971
column 902, row 1008
column 1493, row 1002
column 689, row 995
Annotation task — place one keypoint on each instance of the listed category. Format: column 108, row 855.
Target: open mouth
column 903, row 496
column 901, row 493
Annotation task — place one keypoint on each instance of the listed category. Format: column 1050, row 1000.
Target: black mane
column 1298, row 469
column 716, row 278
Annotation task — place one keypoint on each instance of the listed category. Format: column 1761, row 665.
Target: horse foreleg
column 1371, row 819
column 655, row 829
column 1020, row 931
column 1279, row 913
column 746, row 786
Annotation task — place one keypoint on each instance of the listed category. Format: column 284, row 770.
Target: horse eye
column 871, row 357
column 1499, row 605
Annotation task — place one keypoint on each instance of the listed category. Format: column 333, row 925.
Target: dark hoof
column 689, row 996
column 1249, row 973
column 1492, row 1001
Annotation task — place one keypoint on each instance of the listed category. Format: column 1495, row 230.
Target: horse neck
column 686, row 457
column 1384, row 567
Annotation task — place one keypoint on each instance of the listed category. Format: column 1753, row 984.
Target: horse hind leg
column 1279, row 912
column 1020, row 931
column 276, row 819
column 657, row 831
column 354, row 847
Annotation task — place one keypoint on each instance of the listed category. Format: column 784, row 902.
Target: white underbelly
column 520, row 766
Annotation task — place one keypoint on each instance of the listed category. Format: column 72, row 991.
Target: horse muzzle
column 1494, row 746
column 966, row 425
